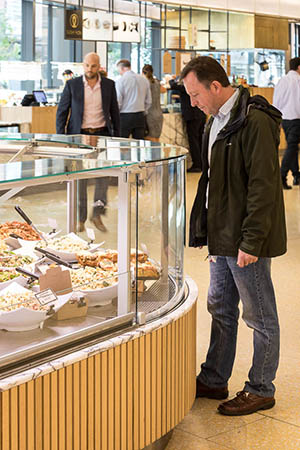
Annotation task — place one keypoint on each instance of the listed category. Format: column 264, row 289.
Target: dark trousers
column 133, row 124
column 194, row 129
column 290, row 159
column 100, row 194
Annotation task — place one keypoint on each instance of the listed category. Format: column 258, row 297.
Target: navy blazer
column 70, row 109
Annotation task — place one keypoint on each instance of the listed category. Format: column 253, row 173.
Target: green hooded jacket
column 245, row 201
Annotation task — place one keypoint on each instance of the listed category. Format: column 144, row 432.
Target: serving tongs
column 27, row 220
column 54, row 258
column 32, row 276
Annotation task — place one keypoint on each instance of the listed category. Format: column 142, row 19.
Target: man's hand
column 244, row 259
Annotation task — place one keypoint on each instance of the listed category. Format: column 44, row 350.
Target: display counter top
column 80, row 154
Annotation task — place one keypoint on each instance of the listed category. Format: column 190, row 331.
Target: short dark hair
column 207, row 70
column 294, row 63
column 124, row 63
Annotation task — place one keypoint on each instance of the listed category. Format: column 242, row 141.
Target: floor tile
column 185, row 441
column 204, row 421
column 266, row 434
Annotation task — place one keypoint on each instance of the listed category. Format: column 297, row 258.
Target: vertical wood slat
column 61, row 409
column 30, row 415
column 136, row 390
column 76, row 406
column 194, row 352
column 38, row 394
column 83, row 404
column 54, row 410
column 14, row 422
column 90, row 403
column 117, row 399
column 181, row 362
column 153, row 407
column 104, row 401
column 123, row 397
column 178, row 364
column 5, row 413
column 173, row 375
column 142, row 391
column 22, row 418
column 46, row 412
column 97, row 402
column 169, row 375
column 147, row 389
column 164, row 383
column 130, row 388
column 111, row 402
column 69, row 444
column 159, row 396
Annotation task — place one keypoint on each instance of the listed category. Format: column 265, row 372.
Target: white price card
column 91, row 233
column 52, row 223
column 46, row 296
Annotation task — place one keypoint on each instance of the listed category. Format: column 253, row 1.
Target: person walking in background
column 154, row 117
column 238, row 213
column 89, row 106
column 195, row 122
column 287, row 100
column 134, row 98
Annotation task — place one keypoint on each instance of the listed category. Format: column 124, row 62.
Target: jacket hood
column 241, row 108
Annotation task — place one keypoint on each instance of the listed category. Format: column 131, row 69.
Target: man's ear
column 216, row 87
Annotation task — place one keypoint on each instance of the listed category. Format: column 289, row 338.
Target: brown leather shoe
column 97, row 221
column 245, row 403
column 209, row 392
column 80, row 227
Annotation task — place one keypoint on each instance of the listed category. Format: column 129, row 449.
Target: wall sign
column 97, row 26
column 126, row 28
column 73, row 24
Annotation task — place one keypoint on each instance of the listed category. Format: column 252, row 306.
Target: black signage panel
column 73, row 24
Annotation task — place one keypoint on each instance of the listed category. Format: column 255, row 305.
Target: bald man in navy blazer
column 89, row 106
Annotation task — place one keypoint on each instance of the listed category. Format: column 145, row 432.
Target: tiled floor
column 278, row 428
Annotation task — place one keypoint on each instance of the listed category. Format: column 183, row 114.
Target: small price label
column 91, row 234
column 52, row 223
column 46, row 296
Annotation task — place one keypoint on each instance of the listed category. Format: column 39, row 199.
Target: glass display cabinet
column 128, row 273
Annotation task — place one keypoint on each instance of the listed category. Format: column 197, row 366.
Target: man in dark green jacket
column 239, row 213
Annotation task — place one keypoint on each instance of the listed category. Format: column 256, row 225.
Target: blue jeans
column 253, row 285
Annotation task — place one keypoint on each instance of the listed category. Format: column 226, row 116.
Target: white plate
column 25, row 319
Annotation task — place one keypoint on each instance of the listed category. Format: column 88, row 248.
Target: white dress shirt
column 133, row 92
column 220, row 120
column 287, row 95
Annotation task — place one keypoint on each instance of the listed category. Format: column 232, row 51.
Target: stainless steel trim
column 42, row 347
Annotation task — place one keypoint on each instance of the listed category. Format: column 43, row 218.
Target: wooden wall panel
column 122, row 399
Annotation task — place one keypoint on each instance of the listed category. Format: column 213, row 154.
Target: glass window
column 218, row 41
column 113, row 55
column 218, row 21
column 200, row 17
column 41, row 32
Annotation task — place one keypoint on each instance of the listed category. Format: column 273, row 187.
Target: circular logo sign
column 74, row 20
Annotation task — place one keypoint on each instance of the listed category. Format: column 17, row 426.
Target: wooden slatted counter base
column 124, row 393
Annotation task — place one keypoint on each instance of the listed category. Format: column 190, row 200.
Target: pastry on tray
column 21, row 229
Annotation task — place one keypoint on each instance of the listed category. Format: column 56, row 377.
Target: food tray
column 25, row 319
column 100, row 297
column 71, row 256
